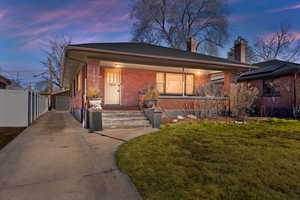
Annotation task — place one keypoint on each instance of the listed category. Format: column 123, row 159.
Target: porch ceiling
column 77, row 56
column 156, row 68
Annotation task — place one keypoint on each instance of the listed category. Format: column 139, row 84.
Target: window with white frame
column 175, row 83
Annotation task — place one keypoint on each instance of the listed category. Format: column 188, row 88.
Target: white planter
column 95, row 104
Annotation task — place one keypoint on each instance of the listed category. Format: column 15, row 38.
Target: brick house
column 5, row 83
column 119, row 71
column 279, row 83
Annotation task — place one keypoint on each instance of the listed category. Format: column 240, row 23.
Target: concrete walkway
column 56, row 159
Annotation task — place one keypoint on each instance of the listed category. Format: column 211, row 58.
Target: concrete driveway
column 56, row 159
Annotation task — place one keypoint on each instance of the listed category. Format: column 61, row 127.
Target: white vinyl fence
column 21, row 108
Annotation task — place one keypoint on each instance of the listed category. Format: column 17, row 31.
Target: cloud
column 2, row 13
column 277, row 10
column 240, row 18
column 117, row 23
column 296, row 35
column 84, row 39
column 39, row 30
column 93, row 16
column 64, row 15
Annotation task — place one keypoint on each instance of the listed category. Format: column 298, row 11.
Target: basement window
column 175, row 83
column 79, row 81
column 271, row 88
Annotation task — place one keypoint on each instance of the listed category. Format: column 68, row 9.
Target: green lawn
column 258, row 160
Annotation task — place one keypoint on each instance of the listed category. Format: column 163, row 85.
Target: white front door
column 112, row 86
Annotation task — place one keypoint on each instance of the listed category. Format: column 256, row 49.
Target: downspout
column 183, row 83
column 85, row 106
column 295, row 95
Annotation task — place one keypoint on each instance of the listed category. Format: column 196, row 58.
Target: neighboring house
column 5, row 83
column 119, row 71
column 279, row 85
column 60, row 100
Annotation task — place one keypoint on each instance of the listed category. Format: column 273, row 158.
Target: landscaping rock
column 240, row 122
column 175, row 121
column 192, row 116
column 180, row 117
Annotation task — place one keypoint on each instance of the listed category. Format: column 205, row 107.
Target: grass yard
column 8, row 134
column 208, row 160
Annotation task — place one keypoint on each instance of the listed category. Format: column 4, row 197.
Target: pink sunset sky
column 25, row 25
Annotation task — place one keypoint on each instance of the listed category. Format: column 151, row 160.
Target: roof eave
column 236, row 65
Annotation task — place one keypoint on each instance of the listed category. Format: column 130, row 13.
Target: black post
column 156, row 120
column 95, row 120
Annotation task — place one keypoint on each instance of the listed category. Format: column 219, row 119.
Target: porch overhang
column 75, row 57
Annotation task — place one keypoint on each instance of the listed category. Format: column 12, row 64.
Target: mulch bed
column 168, row 120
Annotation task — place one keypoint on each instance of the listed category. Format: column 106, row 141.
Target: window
column 74, row 87
column 271, row 88
column 160, row 82
column 189, row 86
column 79, row 81
column 175, row 83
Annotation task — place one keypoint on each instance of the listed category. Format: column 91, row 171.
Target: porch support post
column 228, row 76
column 94, row 75
column 92, row 81
column 183, row 82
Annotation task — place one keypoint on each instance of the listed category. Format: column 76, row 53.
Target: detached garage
column 60, row 100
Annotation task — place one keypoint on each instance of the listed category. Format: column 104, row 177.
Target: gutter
column 295, row 92
column 241, row 66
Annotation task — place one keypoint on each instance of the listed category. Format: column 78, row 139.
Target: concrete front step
column 122, row 113
column 125, row 124
column 127, row 118
column 124, row 119
column 109, row 116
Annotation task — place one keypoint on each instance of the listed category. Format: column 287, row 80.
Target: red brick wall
column 200, row 80
column 95, row 76
column 193, row 103
column 284, row 101
column 76, row 100
column 133, row 81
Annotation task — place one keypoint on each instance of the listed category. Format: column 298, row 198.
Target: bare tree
column 242, row 98
column 211, row 89
column 250, row 54
column 282, row 44
column 53, row 65
column 174, row 22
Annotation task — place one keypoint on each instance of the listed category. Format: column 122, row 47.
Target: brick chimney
column 240, row 50
column 192, row 44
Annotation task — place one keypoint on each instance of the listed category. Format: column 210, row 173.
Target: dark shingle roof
column 270, row 69
column 152, row 50
column 5, row 79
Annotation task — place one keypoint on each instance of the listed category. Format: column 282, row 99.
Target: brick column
column 94, row 75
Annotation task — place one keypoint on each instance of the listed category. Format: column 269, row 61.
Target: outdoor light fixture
column 117, row 66
column 199, row 73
